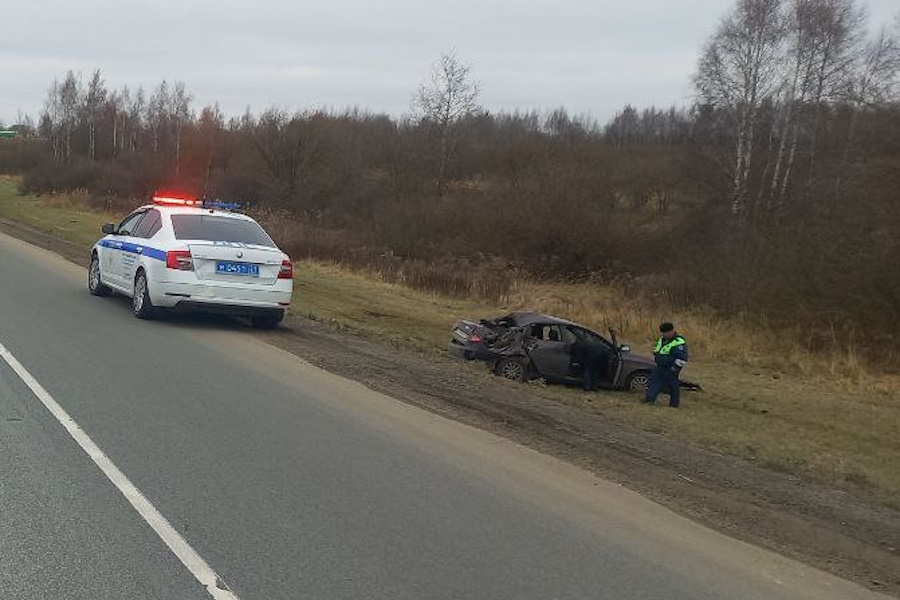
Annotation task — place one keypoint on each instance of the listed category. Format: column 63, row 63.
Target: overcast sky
column 591, row 56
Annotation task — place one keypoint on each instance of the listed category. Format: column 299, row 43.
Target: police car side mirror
column 108, row 229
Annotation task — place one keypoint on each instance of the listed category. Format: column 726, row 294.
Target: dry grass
column 825, row 427
column 635, row 314
column 737, row 340
column 767, row 398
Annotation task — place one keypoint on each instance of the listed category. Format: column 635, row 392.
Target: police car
column 183, row 254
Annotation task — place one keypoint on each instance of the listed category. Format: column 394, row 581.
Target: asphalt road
column 292, row 483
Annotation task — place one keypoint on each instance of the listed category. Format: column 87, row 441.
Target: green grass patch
column 64, row 216
column 392, row 313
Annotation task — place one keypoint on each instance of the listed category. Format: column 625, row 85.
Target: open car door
column 551, row 351
column 599, row 349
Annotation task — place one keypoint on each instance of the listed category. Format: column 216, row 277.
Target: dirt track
column 833, row 530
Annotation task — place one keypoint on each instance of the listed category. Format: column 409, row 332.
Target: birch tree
column 51, row 118
column 117, row 108
column 69, row 103
column 94, row 100
column 137, row 107
column 179, row 114
column 738, row 72
column 449, row 97
column 874, row 82
column 838, row 30
column 158, row 113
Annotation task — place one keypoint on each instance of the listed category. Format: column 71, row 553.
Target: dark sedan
column 523, row 346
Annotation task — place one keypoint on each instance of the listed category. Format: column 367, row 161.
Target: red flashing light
column 180, row 260
column 171, row 200
column 287, row 270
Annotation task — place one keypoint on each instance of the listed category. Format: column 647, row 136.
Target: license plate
column 236, row 268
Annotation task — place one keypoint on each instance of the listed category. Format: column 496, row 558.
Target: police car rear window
column 219, row 229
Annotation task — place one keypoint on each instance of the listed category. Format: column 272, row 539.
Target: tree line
column 774, row 194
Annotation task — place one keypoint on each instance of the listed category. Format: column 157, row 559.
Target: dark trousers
column 661, row 381
column 596, row 365
column 590, row 378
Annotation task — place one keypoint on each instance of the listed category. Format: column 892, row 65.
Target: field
column 766, row 400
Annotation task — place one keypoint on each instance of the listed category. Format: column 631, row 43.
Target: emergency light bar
column 180, row 201
column 222, row 205
column 176, row 201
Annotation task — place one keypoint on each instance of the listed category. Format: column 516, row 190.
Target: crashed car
column 524, row 346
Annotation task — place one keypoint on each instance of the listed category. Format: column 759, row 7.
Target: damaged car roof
column 530, row 318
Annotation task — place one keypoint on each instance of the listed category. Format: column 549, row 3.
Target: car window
column 219, row 229
column 548, row 333
column 588, row 337
column 566, row 335
column 129, row 223
column 149, row 225
column 157, row 225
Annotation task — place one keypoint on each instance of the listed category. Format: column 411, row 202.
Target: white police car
column 183, row 254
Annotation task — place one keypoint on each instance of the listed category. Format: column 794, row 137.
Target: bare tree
column 158, row 113
column 69, row 102
column 94, row 99
column 823, row 37
column 179, row 113
column 739, row 71
column 287, row 147
column 137, row 106
column 51, row 119
column 117, row 107
column 794, row 94
column 839, row 28
column 873, row 82
column 210, row 124
column 447, row 99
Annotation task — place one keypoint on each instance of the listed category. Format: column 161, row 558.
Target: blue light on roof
column 221, row 205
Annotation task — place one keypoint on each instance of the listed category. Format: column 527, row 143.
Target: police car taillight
column 180, row 260
column 287, row 270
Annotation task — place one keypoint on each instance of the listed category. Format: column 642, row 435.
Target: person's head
column 667, row 330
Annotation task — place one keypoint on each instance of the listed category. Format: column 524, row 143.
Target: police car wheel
column 140, row 301
column 95, row 283
column 638, row 382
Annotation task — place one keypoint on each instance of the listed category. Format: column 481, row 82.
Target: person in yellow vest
column 671, row 355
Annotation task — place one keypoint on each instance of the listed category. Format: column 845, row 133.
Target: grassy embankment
column 767, row 399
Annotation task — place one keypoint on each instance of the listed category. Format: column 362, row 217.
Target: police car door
column 122, row 257
column 146, row 228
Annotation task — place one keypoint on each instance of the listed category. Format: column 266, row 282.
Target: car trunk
column 220, row 263
column 465, row 329
column 487, row 332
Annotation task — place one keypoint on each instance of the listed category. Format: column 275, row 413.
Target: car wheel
column 514, row 369
column 638, row 381
column 266, row 322
column 95, row 283
column 140, row 301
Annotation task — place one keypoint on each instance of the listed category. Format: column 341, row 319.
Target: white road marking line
column 170, row 537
